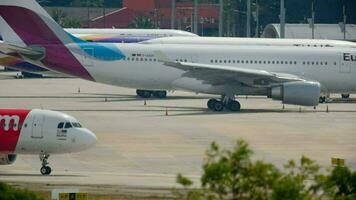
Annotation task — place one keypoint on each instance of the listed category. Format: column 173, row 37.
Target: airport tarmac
column 141, row 149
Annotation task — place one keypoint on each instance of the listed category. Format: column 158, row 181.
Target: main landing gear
column 45, row 169
column 149, row 93
column 345, row 96
column 227, row 103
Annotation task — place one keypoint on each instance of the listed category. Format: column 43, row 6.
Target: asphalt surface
column 142, row 149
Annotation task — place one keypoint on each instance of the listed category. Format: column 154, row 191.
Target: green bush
column 8, row 192
column 231, row 174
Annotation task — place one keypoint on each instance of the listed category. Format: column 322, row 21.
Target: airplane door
column 37, row 127
column 345, row 66
column 88, row 56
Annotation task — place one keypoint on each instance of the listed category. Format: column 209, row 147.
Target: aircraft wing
column 220, row 75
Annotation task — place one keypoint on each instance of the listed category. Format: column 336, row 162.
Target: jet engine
column 7, row 159
column 305, row 93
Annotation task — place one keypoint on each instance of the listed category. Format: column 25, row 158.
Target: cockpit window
column 77, row 125
column 68, row 125
column 60, row 125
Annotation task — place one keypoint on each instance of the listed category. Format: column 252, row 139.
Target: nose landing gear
column 45, row 169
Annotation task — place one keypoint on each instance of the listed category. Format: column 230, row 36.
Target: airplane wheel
column 211, row 103
column 144, row 93
column 345, row 96
column 218, row 106
column 322, row 99
column 49, row 170
column 45, row 170
column 160, row 94
column 234, row 106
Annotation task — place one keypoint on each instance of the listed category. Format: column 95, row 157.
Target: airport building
column 305, row 31
column 160, row 12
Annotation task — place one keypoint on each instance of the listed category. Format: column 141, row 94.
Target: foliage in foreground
column 8, row 192
column 231, row 174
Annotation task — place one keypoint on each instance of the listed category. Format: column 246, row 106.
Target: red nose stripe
column 11, row 123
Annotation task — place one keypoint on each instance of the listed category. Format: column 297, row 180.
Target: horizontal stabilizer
column 33, row 53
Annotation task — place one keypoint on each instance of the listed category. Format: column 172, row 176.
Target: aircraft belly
column 150, row 76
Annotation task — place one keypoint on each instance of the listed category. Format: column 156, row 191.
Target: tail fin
column 26, row 23
column 31, row 23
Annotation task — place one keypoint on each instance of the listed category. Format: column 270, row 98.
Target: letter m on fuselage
column 5, row 122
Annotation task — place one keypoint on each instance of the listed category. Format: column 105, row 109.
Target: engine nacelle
column 305, row 93
column 7, row 159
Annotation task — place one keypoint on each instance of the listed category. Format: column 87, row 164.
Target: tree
column 341, row 184
column 61, row 18
column 231, row 174
column 142, row 22
column 301, row 182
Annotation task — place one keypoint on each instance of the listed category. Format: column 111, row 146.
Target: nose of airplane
column 90, row 138
column 84, row 139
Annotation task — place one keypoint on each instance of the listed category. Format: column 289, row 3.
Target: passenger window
column 60, row 125
column 68, row 125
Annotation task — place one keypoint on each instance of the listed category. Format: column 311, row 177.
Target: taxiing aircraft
column 292, row 74
column 40, row 132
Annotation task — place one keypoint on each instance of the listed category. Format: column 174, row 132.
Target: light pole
column 196, row 15
column 257, row 19
column 173, row 17
column 344, row 12
column 248, row 19
column 221, row 18
column 282, row 20
column 313, row 20
column 202, row 25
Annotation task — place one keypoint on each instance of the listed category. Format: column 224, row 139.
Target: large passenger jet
column 95, row 35
column 40, row 132
column 292, row 74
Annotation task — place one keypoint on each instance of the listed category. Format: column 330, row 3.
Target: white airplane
column 250, row 41
column 292, row 74
column 126, row 35
column 95, row 35
column 40, row 132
